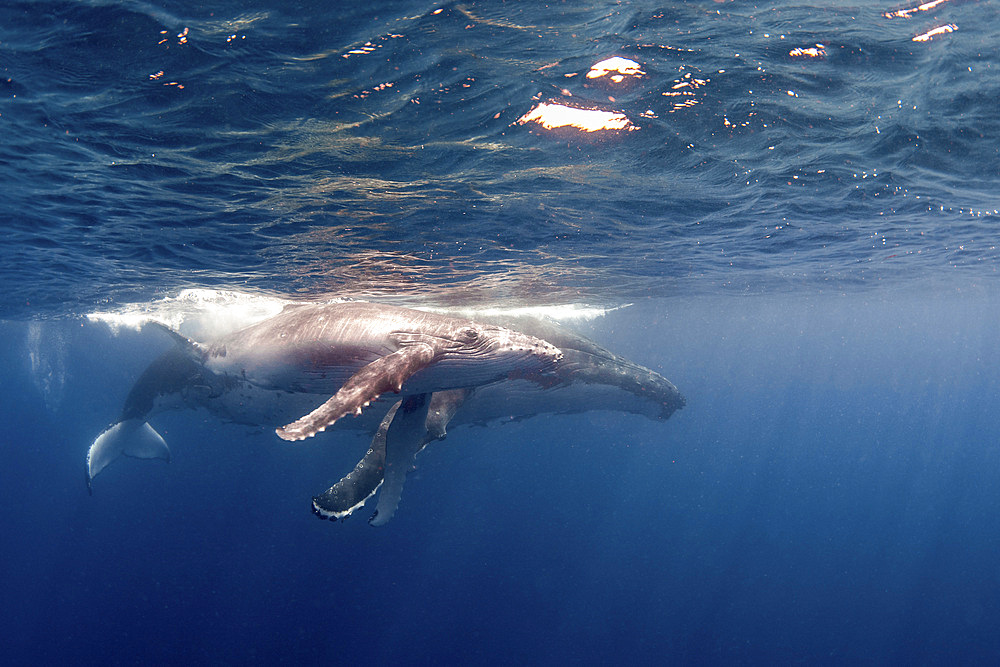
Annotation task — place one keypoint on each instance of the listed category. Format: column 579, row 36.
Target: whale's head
column 472, row 353
column 494, row 343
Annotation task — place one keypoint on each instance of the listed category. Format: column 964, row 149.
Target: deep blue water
column 807, row 243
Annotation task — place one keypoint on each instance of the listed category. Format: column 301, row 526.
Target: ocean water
column 794, row 221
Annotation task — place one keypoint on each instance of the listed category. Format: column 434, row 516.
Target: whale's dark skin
column 588, row 377
column 335, row 359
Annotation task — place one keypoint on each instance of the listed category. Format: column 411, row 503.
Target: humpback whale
column 587, row 377
column 318, row 362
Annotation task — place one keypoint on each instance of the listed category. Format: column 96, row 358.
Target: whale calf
column 317, row 362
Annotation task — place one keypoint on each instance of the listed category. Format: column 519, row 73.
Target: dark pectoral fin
column 444, row 405
column 405, row 437
column 351, row 492
column 382, row 375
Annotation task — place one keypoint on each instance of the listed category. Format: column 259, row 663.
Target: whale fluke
column 131, row 437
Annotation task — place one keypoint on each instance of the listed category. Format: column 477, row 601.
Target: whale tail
column 132, row 437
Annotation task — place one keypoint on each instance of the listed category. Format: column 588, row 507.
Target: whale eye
column 469, row 335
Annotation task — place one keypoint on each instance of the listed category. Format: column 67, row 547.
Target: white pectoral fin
column 131, row 438
column 382, row 375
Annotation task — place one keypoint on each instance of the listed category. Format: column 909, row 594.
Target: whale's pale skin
column 336, row 359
